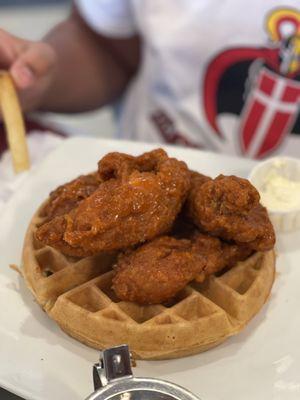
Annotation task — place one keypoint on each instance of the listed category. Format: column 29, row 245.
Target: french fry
column 14, row 123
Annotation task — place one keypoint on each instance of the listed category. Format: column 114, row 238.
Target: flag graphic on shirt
column 266, row 89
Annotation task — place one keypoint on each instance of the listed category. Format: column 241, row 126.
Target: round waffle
column 77, row 294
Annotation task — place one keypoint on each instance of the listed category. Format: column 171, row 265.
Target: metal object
column 113, row 380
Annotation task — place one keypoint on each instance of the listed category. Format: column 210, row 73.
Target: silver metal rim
column 140, row 384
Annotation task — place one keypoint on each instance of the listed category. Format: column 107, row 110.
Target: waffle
column 77, row 294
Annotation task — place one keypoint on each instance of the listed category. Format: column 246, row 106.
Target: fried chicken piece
column 53, row 235
column 217, row 253
column 66, row 197
column 116, row 165
column 128, row 208
column 228, row 207
column 157, row 271
column 120, row 165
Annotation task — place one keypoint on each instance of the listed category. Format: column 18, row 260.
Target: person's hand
column 32, row 66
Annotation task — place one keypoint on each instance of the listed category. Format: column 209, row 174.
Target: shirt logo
column 261, row 85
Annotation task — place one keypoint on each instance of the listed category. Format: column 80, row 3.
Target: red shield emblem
column 269, row 113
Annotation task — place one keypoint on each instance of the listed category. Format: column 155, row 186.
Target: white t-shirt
column 221, row 75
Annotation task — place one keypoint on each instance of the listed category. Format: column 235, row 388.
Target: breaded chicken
column 155, row 272
column 228, row 207
column 138, row 201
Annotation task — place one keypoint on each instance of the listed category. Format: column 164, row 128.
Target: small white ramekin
column 283, row 220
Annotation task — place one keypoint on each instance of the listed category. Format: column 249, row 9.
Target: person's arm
column 72, row 69
column 91, row 70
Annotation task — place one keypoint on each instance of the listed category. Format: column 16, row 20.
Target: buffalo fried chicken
column 157, row 271
column 138, row 200
column 217, row 253
column 68, row 196
column 228, row 207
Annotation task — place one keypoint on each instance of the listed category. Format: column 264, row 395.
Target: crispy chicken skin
column 138, row 200
column 155, row 272
column 66, row 197
column 218, row 254
column 117, row 165
column 120, row 165
column 228, row 207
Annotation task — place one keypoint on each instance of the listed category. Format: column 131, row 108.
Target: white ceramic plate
column 39, row 362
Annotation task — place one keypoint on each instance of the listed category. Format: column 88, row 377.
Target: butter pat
column 278, row 182
column 279, row 192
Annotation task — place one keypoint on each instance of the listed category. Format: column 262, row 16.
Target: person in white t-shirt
column 223, row 76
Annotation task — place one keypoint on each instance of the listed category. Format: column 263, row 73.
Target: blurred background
column 30, row 2
column 31, row 19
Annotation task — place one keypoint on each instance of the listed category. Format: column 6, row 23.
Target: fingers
column 26, row 60
column 36, row 61
column 10, row 48
column 31, row 65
